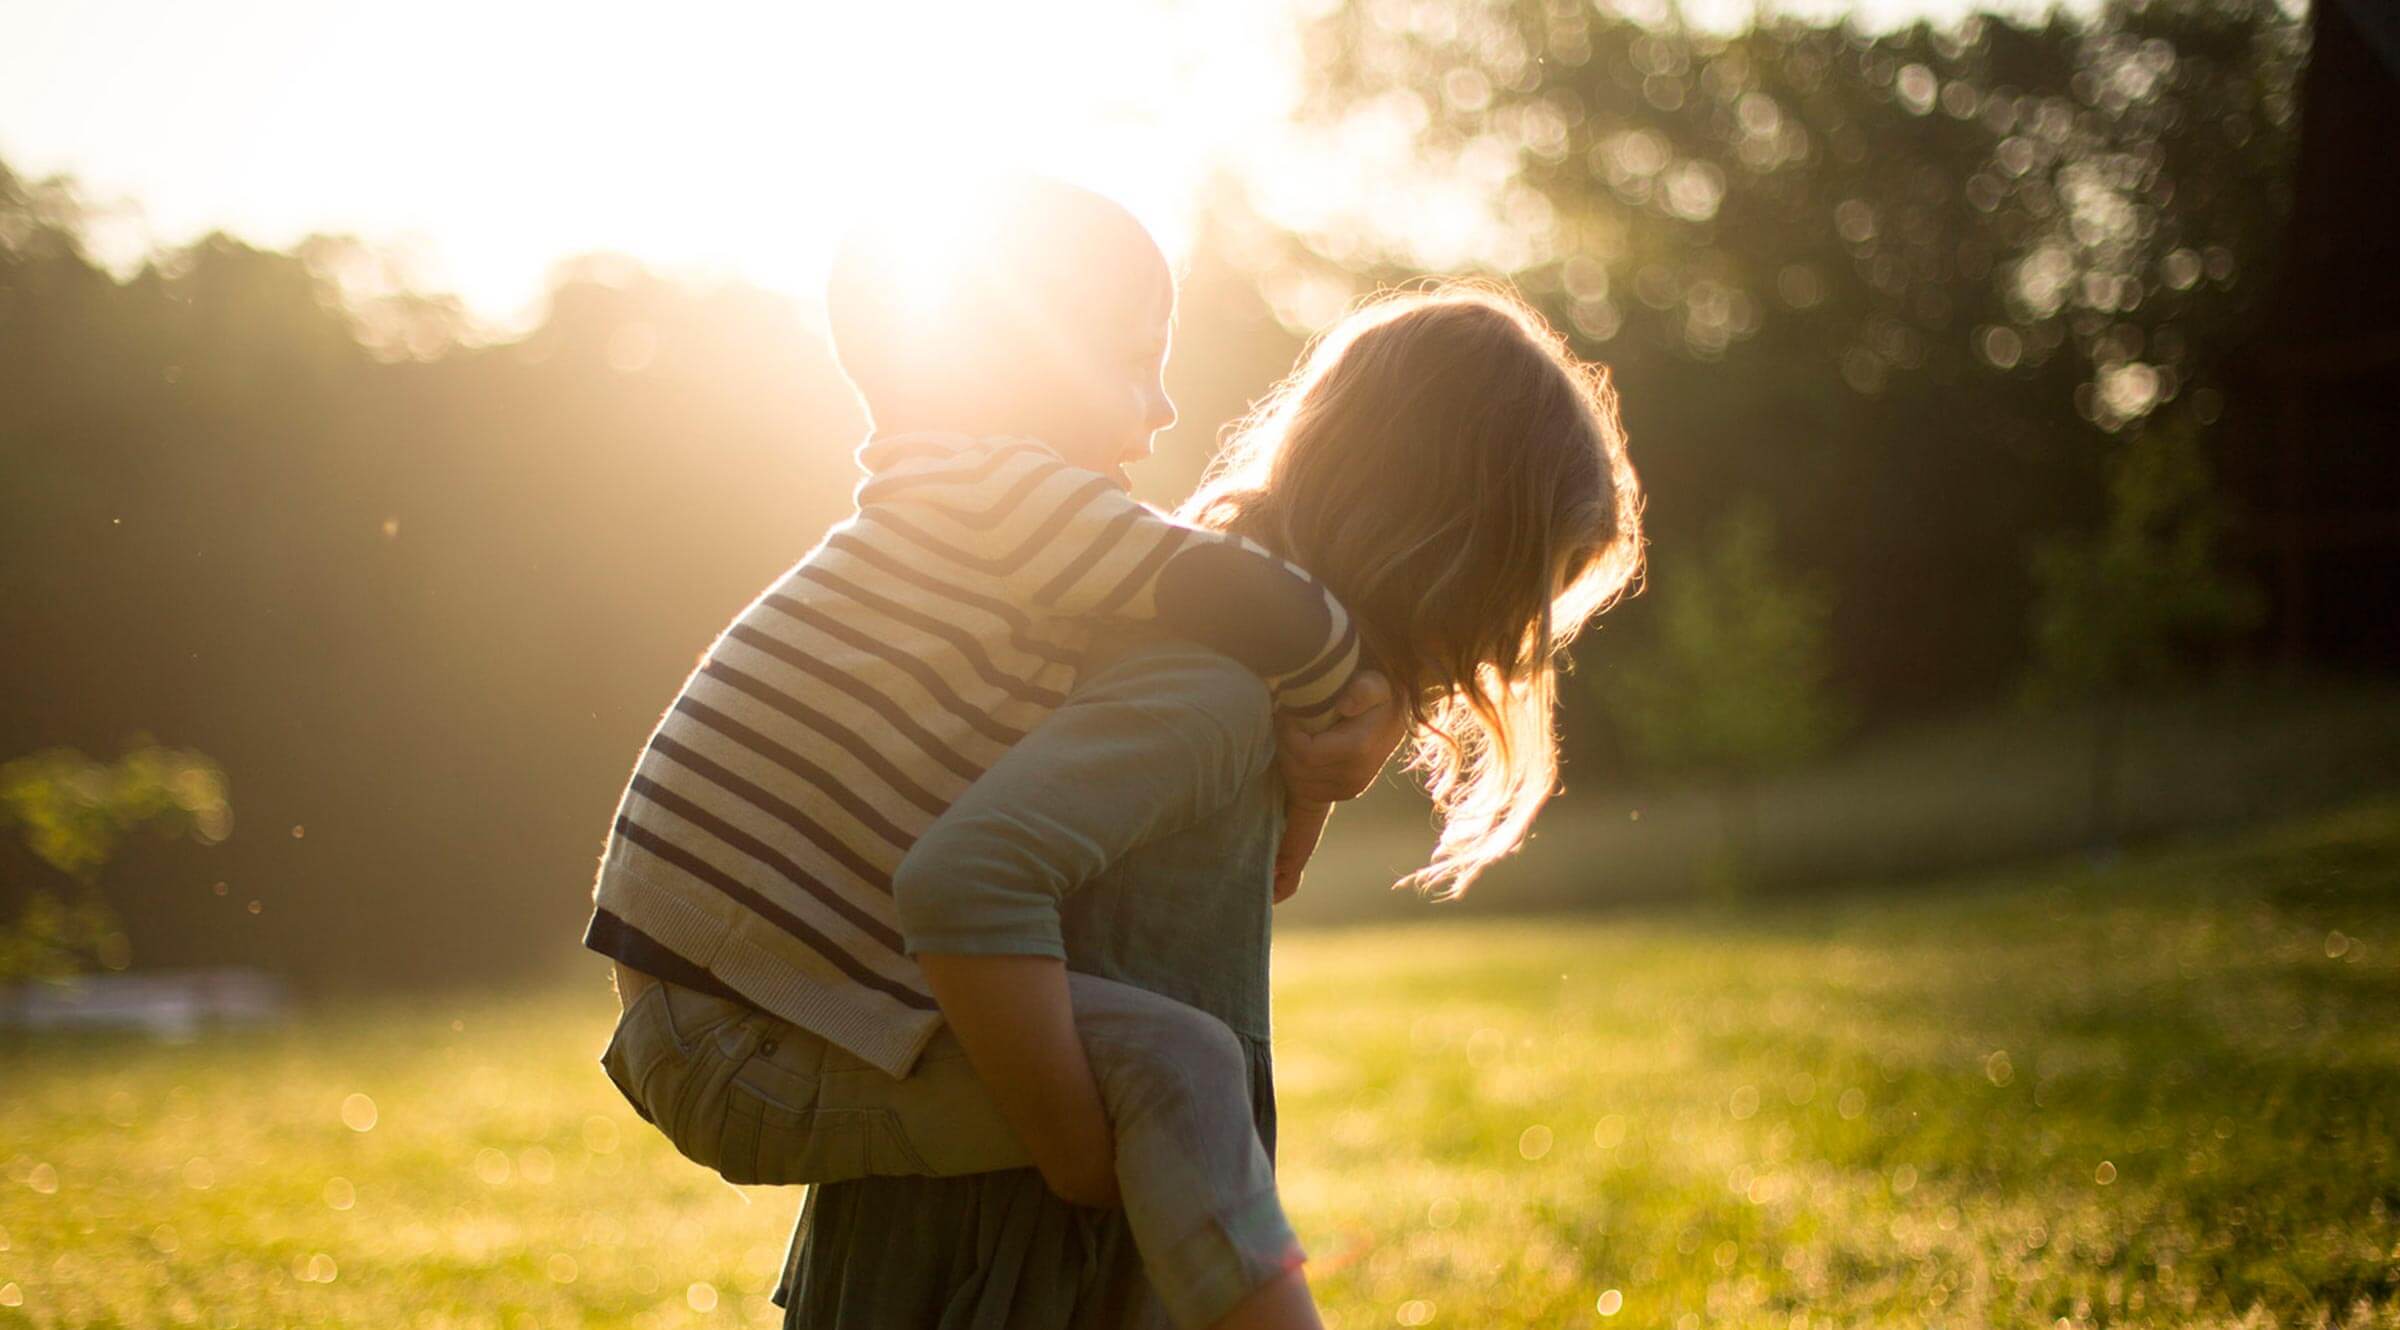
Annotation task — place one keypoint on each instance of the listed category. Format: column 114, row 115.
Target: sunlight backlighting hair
column 1459, row 478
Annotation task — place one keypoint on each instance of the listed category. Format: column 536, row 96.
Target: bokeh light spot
column 2000, row 347
column 1917, row 88
column 493, row 1167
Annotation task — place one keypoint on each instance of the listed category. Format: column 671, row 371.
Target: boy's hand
column 1341, row 761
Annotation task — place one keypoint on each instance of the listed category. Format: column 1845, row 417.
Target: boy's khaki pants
column 763, row 1101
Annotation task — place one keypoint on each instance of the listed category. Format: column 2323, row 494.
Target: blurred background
column 393, row 409
column 1972, row 893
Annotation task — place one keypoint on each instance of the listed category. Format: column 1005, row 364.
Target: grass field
column 2166, row 1093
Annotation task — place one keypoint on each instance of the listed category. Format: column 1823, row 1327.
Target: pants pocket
column 673, row 1057
column 635, row 1049
column 774, row 1145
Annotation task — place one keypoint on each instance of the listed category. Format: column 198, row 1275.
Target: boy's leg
column 734, row 1089
column 798, row 1109
column 1198, row 1188
column 762, row 1101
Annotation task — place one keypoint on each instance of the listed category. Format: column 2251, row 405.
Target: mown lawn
column 2162, row 1093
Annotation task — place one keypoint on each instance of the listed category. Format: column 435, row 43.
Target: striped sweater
column 840, row 714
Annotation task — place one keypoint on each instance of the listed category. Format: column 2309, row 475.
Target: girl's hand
column 1092, row 1184
column 1303, row 824
column 1341, row 761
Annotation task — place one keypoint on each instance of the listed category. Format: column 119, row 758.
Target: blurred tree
column 1906, row 284
column 426, row 589
column 2120, row 608
column 2318, row 515
column 1733, row 685
column 73, row 813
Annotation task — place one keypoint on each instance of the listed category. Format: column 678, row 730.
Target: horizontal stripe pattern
column 844, row 710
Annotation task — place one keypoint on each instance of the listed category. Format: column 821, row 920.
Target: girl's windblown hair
column 1453, row 473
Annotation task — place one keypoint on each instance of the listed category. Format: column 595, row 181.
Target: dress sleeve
column 1147, row 746
column 1064, row 540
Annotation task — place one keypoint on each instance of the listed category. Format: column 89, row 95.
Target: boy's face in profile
column 1112, row 415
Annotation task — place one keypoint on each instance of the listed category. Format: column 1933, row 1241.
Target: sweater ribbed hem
column 886, row 1034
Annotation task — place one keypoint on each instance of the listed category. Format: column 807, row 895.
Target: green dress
column 1133, row 832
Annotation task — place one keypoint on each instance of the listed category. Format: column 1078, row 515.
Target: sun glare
column 478, row 144
column 485, row 142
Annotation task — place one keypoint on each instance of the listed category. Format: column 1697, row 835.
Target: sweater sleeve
column 1147, row 746
column 1063, row 540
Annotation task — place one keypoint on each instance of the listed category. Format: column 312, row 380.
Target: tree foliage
column 2122, row 607
column 422, row 594
column 2129, row 605
column 73, row 813
column 1908, row 285
column 1733, row 683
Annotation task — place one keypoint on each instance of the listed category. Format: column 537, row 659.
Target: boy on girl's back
column 761, row 863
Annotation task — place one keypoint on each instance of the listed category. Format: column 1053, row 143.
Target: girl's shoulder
column 1203, row 695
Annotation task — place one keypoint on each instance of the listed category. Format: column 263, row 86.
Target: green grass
column 2164, row 1094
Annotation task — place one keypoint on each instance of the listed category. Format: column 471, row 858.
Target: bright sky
column 488, row 138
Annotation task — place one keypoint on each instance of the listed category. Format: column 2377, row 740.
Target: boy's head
column 1026, row 307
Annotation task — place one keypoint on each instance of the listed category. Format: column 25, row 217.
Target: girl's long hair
column 1459, row 479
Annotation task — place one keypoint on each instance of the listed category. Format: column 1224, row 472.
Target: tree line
column 1885, row 312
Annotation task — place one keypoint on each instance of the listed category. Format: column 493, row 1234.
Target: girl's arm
column 1303, row 826
column 1012, row 1016
column 1147, row 745
column 1324, row 767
